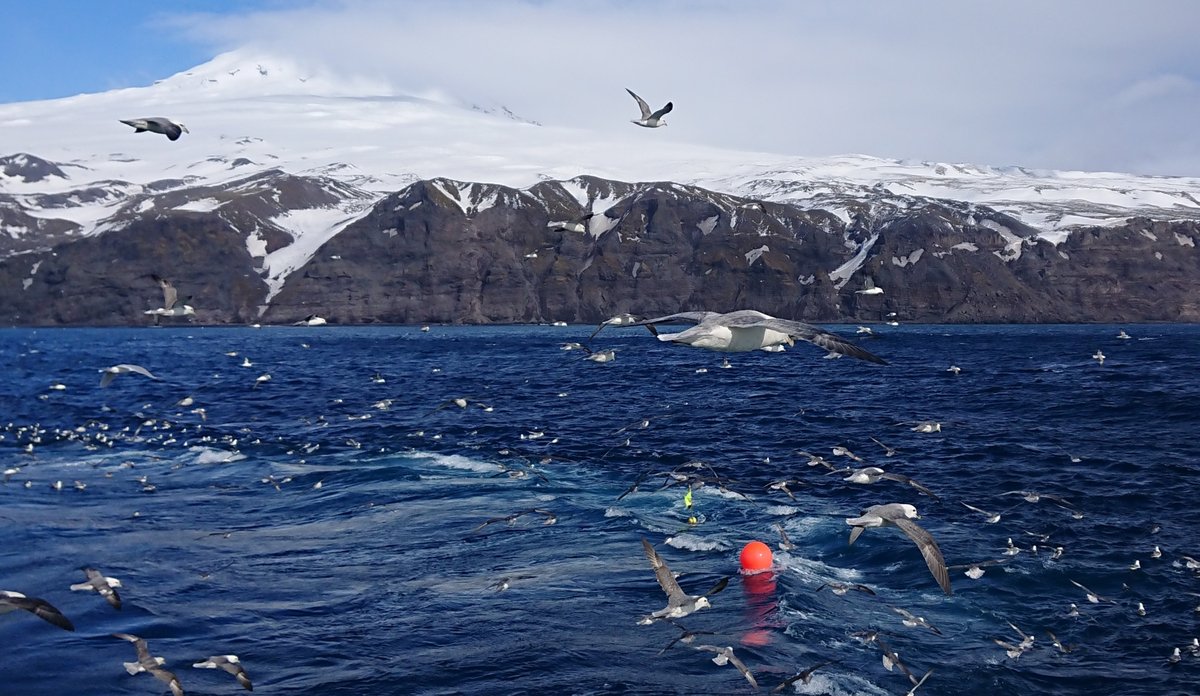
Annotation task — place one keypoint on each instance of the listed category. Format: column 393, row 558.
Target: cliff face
column 582, row 250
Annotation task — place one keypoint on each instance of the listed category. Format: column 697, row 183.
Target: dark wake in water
column 325, row 525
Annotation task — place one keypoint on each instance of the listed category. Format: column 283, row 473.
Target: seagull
column 840, row 589
column 1098, row 356
column 151, row 665
column 746, row 330
column 887, row 451
column 955, row 369
column 901, row 515
column 311, row 320
column 785, row 544
column 1123, row 335
column 869, row 288
column 11, row 601
column 157, row 124
column 805, row 676
column 111, row 373
column 171, row 306
column 648, row 119
column 685, row 636
column 912, row 621
column 725, row 656
column 975, row 570
column 927, row 427
column 104, row 585
column 679, row 603
column 231, row 664
column 991, row 517
column 1092, row 596
column 913, row 691
column 1062, row 647
column 871, row 474
column 1034, row 496
column 603, row 356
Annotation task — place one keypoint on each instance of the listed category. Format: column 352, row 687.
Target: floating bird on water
column 1098, row 356
column 901, row 515
column 650, row 119
column 231, row 664
column 746, row 330
column 151, row 665
column 11, row 601
column 954, row 369
column 927, row 427
column 104, row 585
column 157, row 124
column 111, row 373
column 1123, row 335
column 975, row 570
column 679, row 603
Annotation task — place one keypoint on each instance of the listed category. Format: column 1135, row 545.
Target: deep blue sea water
column 381, row 581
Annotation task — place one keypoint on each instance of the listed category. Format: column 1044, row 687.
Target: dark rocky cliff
column 583, row 250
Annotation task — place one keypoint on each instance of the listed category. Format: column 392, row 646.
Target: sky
column 1072, row 84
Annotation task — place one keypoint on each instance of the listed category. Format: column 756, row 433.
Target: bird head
column 910, row 511
column 703, row 603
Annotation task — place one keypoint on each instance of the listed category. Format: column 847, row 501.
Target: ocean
column 345, row 527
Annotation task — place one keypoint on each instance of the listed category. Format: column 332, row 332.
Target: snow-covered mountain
column 288, row 158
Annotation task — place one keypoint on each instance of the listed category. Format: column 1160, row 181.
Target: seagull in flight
column 11, row 601
column 111, row 373
column 901, row 515
column 650, row 119
column 679, row 603
column 171, row 306
column 231, row 664
column 871, row 474
column 157, row 124
column 104, row 585
column 745, row 330
column 149, row 664
column 725, row 656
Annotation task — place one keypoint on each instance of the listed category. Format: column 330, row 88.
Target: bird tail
column 133, row 667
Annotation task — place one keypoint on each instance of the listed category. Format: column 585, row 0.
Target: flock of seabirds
column 731, row 332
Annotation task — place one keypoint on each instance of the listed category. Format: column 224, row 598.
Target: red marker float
column 755, row 557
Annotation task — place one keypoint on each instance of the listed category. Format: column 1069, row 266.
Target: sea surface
column 340, row 525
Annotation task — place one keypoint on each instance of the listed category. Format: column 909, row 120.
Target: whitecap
column 457, row 461
column 208, row 455
column 691, row 542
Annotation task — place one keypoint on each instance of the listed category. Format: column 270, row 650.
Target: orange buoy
column 755, row 557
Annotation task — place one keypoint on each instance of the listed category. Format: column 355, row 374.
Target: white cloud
column 1067, row 85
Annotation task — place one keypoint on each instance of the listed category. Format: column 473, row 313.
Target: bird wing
column 169, row 677
column 143, row 650
column 805, row 332
column 929, row 550
column 138, row 124
column 980, row 511
column 741, row 667
column 170, row 295
column 662, row 112
column 666, row 580
column 107, row 378
column 904, row 479
column 641, row 104
column 688, row 317
column 138, row 369
column 40, row 608
column 172, row 130
column 721, row 584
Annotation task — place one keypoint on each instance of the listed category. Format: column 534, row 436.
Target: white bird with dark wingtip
column 679, row 603
column 745, row 330
column 171, row 306
column 11, row 601
column 111, row 373
column 231, row 664
column 650, row 119
column 724, row 655
column 901, row 515
column 104, row 585
column 149, row 664
column 157, row 124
